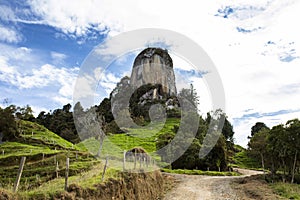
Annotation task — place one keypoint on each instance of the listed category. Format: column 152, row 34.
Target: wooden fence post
column 104, row 170
column 149, row 161
column 56, row 169
column 43, row 158
column 19, row 174
column 124, row 160
column 67, row 174
column 140, row 160
column 134, row 160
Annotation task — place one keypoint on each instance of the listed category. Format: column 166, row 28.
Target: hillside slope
column 45, row 154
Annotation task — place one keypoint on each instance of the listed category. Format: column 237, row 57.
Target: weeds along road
column 197, row 187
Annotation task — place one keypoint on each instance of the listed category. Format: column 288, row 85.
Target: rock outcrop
column 154, row 66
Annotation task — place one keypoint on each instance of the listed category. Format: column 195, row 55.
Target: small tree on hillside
column 258, row 145
column 8, row 126
column 293, row 129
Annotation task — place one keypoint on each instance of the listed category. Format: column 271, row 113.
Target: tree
column 189, row 95
column 274, row 147
column 8, row 126
column 61, row 122
column 293, row 130
column 258, row 144
column 104, row 109
column 227, row 130
column 257, row 127
column 278, row 149
column 216, row 158
column 66, row 108
column 24, row 113
column 216, row 119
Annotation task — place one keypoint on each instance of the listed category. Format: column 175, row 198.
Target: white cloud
column 15, row 71
column 38, row 78
column 108, row 81
column 57, row 57
column 180, row 63
column 37, row 110
column 7, row 14
column 22, row 58
column 9, row 35
column 77, row 17
column 62, row 100
column 85, row 87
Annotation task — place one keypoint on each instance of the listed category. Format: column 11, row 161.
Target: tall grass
column 287, row 190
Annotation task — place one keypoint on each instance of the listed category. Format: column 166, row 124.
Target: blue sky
column 254, row 45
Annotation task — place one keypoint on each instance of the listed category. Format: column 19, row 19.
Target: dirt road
column 193, row 187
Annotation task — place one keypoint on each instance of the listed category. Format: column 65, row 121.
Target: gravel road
column 195, row 187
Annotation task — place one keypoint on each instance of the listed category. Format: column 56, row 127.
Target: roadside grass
column 199, row 172
column 287, row 190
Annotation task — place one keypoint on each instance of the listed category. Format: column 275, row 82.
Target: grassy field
column 115, row 144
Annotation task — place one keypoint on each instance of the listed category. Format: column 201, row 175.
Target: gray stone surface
column 155, row 66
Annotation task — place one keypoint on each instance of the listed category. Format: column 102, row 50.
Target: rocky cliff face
column 154, row 66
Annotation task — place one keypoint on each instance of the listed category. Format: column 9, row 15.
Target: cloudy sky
column 254, row 45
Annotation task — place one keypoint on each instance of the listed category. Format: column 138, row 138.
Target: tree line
column 9, row 117
column 217, row 159
column 277, row 148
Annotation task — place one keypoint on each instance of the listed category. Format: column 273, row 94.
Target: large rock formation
column 154, row 66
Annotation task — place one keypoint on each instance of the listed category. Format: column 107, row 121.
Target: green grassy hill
column 43, row 149
column 145, row 137
column 241, row 159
